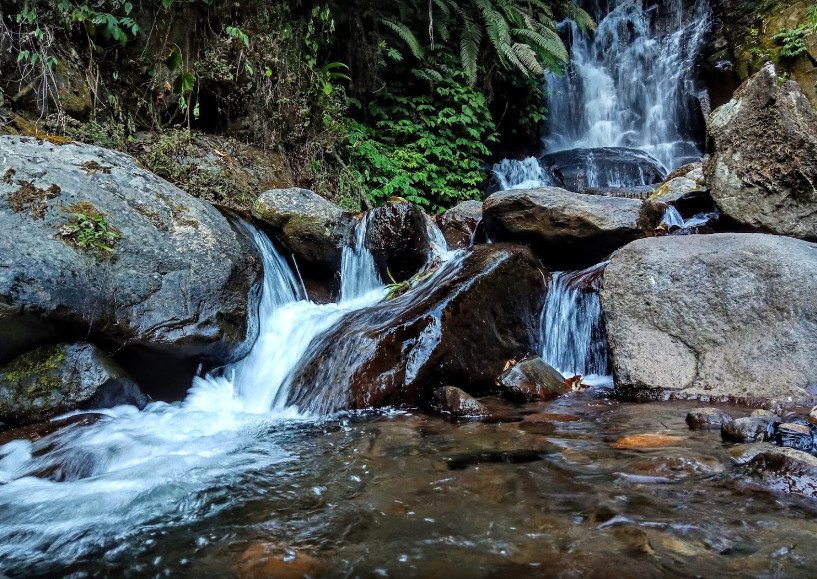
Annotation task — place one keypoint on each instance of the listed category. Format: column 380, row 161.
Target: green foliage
column 88, row 229
column 520, row 34
column 793, row 40
column 425, row 148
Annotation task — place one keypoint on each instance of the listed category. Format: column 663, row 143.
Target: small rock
column 750, row 429
column 812, row 416
column 707, row 417
column 786, row 471
column 795, row 434
column 647, row 441
column 456, row 402
column 532, row 379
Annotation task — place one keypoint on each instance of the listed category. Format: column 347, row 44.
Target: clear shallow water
column 407, row 495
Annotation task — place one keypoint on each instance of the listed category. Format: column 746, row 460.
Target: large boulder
column 398, row 237
column 603, row 168
column 173, row 278
column 310, row 227
column 459, row 326
column 52, row 380
column 720, row 316
column 459, row 223
column 762, row 169
column 568, row 230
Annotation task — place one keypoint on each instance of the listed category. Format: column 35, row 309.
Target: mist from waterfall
column 630, row 83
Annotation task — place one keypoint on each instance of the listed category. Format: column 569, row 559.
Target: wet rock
column 398, row 239
column 707, row 417
column 647, row 441
column 609, row 166
column 52, row 380
column 459, row 326
column 178, row 278
column 35, row 432
column 459, row 223
column 785, row 471
column 463, row 461
column 532, row 379
column 762, row 169
column 568, row 230
column 812, row 416
column 750, row 429
column 457, row 402
column 550, row 417
column 685, row 189
column 795, row 433
column 307, row 225
column 724, row 316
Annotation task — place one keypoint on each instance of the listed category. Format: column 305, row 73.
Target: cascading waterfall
column 573, row 337
column 630, row 83
column 358, row 272
column 158, row 466
column 525, row 174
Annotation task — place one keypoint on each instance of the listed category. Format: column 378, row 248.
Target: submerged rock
column 532, row 379
column 457, row 402
column 568, row 230
column 175, row 279
column 459, row 326
column 783, row 470
column 398, row 239
column 714, row 316
column 312, row 228
column 459, row 223
column 53, row 380
column 647, row 441
column 762, row 168
column 707, row 417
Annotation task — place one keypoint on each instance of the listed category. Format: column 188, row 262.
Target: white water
column 572, row 334
column 627, row 84
column 133, row 470
column 525, row 174
column 673, row 221
column 358, row 273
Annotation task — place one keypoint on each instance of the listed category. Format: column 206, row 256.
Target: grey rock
column 459, row 223
column 707, row 417
column 568, row 230
column 749, row 429
column 457, row 402
column 312, row 228
column 532, row 379
column 762, row 168
column 177, row 282
column 55, row 379
column 685, row 189
column 714, row 316
column 784, row 470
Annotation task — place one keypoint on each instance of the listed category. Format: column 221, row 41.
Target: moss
column 36, row 371
column 30, row 197
column 92, row 167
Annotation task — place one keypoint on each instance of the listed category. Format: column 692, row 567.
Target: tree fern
column 405, row 33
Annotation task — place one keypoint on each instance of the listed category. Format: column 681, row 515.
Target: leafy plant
column 793, row 40
column 426, row 148
column 88, row 228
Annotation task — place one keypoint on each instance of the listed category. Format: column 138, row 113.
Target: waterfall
column 573, row 337
column 630, row 83
column 289, row 323
column 525, row 174
column 358, row 273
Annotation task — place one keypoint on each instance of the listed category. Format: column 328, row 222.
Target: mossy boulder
column 55, row 379
column 177, row 282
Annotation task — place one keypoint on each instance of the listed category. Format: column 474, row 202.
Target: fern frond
column 407, row 36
